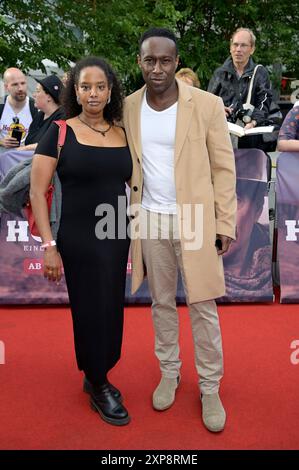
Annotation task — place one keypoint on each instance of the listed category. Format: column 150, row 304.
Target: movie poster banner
column 287, row 209
column 247, row 265
column 21, row 267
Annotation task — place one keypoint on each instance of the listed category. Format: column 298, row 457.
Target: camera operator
column 231, row 82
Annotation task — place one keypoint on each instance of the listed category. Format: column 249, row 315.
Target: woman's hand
column 52, row 264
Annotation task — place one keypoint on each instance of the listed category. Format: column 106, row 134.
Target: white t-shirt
column 6, row 121
column 158, row 140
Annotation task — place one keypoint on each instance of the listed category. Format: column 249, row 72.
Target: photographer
column 231, row 82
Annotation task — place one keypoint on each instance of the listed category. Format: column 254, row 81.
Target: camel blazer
column 204, row 175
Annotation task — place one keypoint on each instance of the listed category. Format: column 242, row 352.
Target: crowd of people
column 24, row 120
column 170, row 142
column 231, row 81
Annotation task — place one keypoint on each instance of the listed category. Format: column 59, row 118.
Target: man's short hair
column 252, row 35
column 9, row 71
column 159, row 32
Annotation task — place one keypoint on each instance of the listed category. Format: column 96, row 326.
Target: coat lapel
column 184, row 117
column 135, row 121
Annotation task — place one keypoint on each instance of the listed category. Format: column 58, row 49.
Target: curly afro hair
column 114, row 110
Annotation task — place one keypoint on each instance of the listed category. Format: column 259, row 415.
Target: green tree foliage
column 65, row 30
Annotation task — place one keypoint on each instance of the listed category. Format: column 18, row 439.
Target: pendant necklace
column 96, row 130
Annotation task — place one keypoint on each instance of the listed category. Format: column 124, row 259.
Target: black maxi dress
column 95, row 269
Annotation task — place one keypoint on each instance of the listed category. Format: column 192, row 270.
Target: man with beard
column 17, row 111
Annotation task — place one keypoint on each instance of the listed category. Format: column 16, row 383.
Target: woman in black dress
column 93, row 167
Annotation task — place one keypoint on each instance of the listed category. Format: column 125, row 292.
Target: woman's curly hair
column 114, row 110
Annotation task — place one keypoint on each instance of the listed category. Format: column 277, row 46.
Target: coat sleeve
column 223, row 173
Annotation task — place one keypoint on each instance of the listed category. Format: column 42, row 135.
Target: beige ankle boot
column 164, row 395
column 213, row 413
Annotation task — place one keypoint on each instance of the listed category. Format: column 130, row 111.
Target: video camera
column 242, row 112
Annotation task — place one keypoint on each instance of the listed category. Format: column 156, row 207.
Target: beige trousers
column 162, row 255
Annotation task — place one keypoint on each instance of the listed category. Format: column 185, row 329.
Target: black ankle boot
column 115, row 392
column 109, row 408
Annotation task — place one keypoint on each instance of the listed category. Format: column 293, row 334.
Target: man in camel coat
column 183, row 199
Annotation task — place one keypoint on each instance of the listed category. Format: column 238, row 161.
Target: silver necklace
column 96, row 130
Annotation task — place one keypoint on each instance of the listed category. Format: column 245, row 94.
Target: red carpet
column 42, row 405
